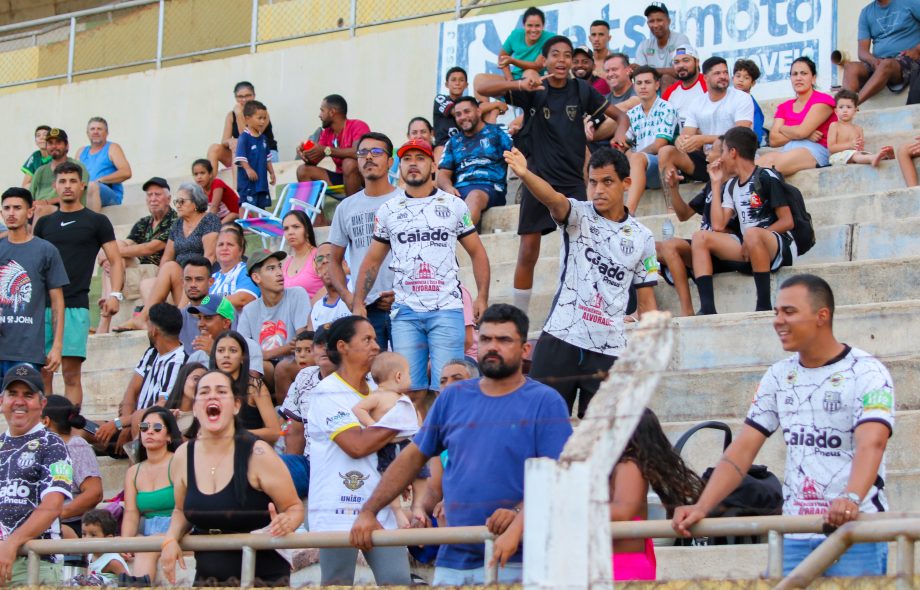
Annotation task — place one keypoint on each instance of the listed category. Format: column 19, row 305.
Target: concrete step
column 699, row 395
column 102, row 390
column 743, row 339
column 115, row 351
column 113, row 475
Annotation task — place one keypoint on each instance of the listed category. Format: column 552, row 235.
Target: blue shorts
column 260, row 200
column 299, row 466
column 652, row 174
column 512, row 573
column 425, row 337
column 862, row 559
column 156, row 525
column 496, row 193
column 817, row 151
column 109, row 196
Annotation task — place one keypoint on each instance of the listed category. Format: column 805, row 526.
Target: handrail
column 63, row 18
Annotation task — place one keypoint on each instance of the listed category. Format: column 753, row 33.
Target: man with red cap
column 421, row 227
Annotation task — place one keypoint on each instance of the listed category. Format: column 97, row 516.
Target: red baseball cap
column 416, row 144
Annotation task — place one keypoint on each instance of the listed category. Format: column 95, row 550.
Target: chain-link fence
column 148, row 33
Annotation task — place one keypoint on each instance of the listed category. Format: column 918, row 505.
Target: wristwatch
column 117, row 295
column 852, row 497
column 117, row 423
column 327, row 151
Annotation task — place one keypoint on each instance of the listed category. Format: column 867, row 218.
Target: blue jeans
column 428, row 336
column 381, row 321
column 299, row 466
column 652, row 173
column 512, row 573
column 109, row 196
column 862, row 559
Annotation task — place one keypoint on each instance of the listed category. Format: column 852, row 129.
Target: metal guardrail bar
column 63, row 18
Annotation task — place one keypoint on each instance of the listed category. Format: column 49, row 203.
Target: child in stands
column 744, row 75
column 253, row 158
column 222, row 199
column 103, row 569
column 845, row 140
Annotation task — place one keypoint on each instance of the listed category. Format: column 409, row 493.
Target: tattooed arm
column 368, row 274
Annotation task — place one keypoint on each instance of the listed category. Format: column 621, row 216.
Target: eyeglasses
column 179, row 202
column 156, row 426
column 374, row 152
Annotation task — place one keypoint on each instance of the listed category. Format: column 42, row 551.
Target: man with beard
column 605, row 253
column 707, row 117
column 353, row 229
column 472, row 166
column 656, row 51
column 471, row 419
column 338, row 140
column 690, row 84
column 583, row 68
column 421, row 227
column 42, row 187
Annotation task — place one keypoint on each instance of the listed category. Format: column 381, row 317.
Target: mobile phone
column 91, row 427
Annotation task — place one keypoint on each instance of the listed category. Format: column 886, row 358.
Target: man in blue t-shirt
column 889, row 43
column 490, row 427
column 473, row 165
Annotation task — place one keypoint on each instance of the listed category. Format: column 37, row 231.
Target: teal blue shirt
column 516, row 46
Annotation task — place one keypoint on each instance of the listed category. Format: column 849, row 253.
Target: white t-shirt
column 601, row 259
column 681, row 98
column 339, row 484
column 322, row 312
column 715, row 118
column 296, row 404
column 422, row 234
column 159, row 372
column 650, row 54
column 818, row 411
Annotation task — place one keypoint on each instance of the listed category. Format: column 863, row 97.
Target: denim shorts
column 512, row 573
column 428, row 336
column 156, row 525
column 817, row 151
column 109, row 196
column 652, row 174
column 862, row 559
column 494, row 192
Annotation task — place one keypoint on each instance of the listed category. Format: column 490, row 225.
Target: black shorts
column 700, row 173
column 534, row 217
column 905, row 63
column 718, row 266
column 568, row 369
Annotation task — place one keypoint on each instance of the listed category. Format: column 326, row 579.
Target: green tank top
column 156, row 502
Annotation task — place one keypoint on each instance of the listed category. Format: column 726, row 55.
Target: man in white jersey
column 604, row 252
column 690, row 83
column 353, row 229
column 835, row 407
column 422, row 227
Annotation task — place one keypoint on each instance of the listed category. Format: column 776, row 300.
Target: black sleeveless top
column 237, row 508
column 269, row 133
column 250, row 417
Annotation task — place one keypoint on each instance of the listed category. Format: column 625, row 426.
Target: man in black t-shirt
column 764, row 216
column 78, row 233
column 556, row 143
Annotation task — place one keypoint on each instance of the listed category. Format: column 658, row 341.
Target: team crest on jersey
column 546, row 113
column 837, row 379
column 626, row 230
column 26, row 460
column 756, row 201
column 572, row 111
column 627, row 246
column 441, row 211
column 832, row 401
column 353, row 480
column 484, row 143
column 33, row 444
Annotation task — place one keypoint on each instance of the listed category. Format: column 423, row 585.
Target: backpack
column 759, row 493
column 522, row 139
column 804, row 230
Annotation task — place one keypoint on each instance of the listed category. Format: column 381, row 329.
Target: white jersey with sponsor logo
column 422, row 234
column 600, row 260
column 818, row 411
column 339, row 484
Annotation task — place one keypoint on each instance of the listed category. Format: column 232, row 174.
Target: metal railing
column 152, row 33
column 888, row 526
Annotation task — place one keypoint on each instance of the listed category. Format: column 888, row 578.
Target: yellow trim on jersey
column 342, row 429
column 348, row 385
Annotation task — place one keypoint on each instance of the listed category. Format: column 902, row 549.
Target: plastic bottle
column 667, row 230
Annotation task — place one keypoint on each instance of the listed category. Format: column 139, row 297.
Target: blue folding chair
column 297, row 196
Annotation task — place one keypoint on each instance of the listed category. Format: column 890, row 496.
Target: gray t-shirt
column 650, row 54
column 353, row 228
column 27, row 271
column 85, row 465
column 272, row 327
column 189, row 330
column 614, row 99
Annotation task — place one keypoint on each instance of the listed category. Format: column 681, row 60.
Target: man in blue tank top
column 106, row 162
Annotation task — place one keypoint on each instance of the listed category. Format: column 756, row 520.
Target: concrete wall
column 166, row 118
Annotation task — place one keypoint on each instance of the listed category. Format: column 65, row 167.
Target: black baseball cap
column 657, row 7
column 155, row 181
column 17, row 191
column 319, row 335
column 58, row 134
column 585, row 51
column 27, row 374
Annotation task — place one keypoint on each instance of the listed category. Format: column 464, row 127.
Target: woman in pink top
column 800, row 125
column 298, row 268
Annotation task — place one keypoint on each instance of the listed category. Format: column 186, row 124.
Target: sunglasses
column 156, row 426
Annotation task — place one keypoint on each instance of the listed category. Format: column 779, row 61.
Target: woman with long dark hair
column 228, row 481
column 60, row 416
column 148, row 485
column 298, row 268
column 257, row 412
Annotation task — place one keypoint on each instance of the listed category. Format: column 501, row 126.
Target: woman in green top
column 148, row 486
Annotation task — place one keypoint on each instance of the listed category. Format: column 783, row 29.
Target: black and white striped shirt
column 159, row 373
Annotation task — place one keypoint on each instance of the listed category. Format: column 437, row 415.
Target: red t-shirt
column 354, row 129
column 230, row 203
